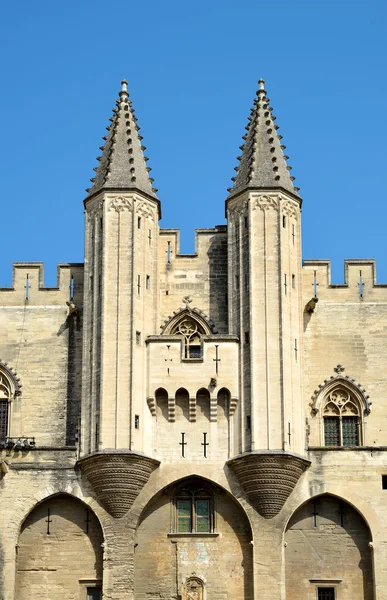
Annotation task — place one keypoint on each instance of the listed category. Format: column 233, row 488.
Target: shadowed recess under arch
column 329, row 528
column 60, row 543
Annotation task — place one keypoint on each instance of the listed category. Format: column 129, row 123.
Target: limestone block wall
column 327, row 544
column 41, row 339
column 222, row 560
column 349, row 328
column 188, row 395
column 202, row 276
column 59, row 551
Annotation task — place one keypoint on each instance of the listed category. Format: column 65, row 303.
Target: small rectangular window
column 138, row 222
column 237, row 282
column 384, row 482
column 148, row 282
column 284, row 221
column 246, row 222
column 138, row 338
column 248, row 422
column 202, row 509
column 293, row 281
column 137, row 421
column 94, row 593
column 247, row 337
column 331, row 431
column 350, row 426
column 195, row 351
column 184, row 516
column 326, row 593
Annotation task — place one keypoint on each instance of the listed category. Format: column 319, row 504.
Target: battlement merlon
column 28, row 285
column 201, row 240
column 359, row 281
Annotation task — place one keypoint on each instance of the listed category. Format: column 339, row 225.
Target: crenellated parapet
column 28, row 285
column 268, row 478
column 359, row 282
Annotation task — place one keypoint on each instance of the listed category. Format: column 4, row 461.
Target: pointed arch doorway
column 328, row 554
column 60, row 552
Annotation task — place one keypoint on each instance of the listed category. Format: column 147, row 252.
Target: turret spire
column 122, row 164
column 262, row 164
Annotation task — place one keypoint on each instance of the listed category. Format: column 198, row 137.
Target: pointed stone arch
column 328, row 543
column 9, row 379
column 60, row 545
column 342, row 407
column 206, row 324
column 335, row 382
column 10, row 388
column 226, row 574
column 193, row 588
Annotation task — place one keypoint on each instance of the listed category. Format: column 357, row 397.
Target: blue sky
column 192, row 69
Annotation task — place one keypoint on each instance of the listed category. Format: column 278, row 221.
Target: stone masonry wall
column 43, row 344
column 202, row 276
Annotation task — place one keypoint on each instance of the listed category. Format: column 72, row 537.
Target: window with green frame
column 194, row 508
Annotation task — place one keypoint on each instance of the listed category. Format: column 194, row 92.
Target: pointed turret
column 122, row 165
column 262, row 164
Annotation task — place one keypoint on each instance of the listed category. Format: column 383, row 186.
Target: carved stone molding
column 340, row 380
column 268, row 478
column 290, row 208
column 237, row 209
column 152, row 405
column 119, row 204
column 205, row 321
column 266, row 203
column 95, row 210
column 233, row 405
column 145, row 209
column 11, row 379
column 117, row 478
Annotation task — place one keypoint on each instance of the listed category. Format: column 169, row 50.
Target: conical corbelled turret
column 122, row 164
column 262, row 164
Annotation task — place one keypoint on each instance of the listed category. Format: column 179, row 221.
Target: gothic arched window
column 194, row 508
column 10, row 387
column 5, row 397
column 342, row 418
column 192, row 333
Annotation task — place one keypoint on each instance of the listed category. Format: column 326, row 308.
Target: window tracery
column 5, row 397
column 192, row 333
column 342, row 418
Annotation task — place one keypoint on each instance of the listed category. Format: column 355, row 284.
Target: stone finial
column 261, row 84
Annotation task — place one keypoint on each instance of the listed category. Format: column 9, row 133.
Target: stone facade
column 197, row 427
